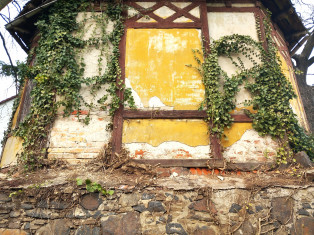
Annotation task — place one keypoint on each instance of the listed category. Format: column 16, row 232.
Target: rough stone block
column 87, row 230
column 303, row 159
column 282, row 208
column 128, row 223
column 60, row 226
column 175, row 228
column 91, row 201
column 235, row 208
column 203, row 205
column 129, row 199
column 303, row 226
column 12, row 232
column 4, row 198
column 156, row 206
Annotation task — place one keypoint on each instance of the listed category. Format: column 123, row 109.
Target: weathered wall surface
column 71, row 139
column 159, row 210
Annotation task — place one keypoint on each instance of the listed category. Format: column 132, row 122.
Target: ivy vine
column 59, row 68
column 270, row 90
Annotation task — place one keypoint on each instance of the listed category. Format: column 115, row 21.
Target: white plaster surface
column 181, row 4
column 227, row 23
column 164, row 12
column 136, row 97
column 72, row 139
column 146, row 4
column 5, row 114
column 167, row 150
column 251, row 148
column 195, row 12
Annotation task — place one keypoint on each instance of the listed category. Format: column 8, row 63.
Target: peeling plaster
column 167, row 150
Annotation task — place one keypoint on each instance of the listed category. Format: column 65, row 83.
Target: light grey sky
column 7, row 88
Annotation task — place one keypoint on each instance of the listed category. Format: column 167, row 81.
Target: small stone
column 91, row 201
column 26, row 206
column 246, row 228
column 27, row 226
column 97, row 215
column 249, row 211
column 12, row 232
column 156, row 206
column 235, row 208
column 139, row 208
column 306, row 206
column 147, row 196
column 175, row 228
column 42, row 204
column 7, row 206
column 60, row 226
column 303, row 226
column 282, row 208
column 41, row 214
column 162, row 219
column 14, row 214
column 4, row 198
column 204, row 230
column 14, row 225
column 59, row 205
column 258, row 208
column 303, row 159
column 87, row 230
column 303, row 212
column 39, row 222
column 204, row 206
column 4, row 216
column 129, row 199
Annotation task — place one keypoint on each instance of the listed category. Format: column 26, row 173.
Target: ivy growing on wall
column 270, row 89
column 59, row 68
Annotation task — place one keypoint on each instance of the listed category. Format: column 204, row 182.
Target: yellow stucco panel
column 157, row 131
column 12, row 147
column 156, row 68
column 296, row 103
column 235, row 133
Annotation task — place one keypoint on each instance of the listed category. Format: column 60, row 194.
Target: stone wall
column 68, row 209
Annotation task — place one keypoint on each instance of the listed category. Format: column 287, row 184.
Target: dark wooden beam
column 176, row 114
column 208, row 163
column 212, row 163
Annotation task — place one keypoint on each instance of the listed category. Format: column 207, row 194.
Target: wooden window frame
column 202, row 24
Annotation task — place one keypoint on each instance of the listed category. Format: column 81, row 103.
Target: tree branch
column 310, row 61
column 11, row 63
column 309, row 45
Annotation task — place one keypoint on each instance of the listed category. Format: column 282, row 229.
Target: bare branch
column 309, row 45
column 311, row 61
column 11, row 63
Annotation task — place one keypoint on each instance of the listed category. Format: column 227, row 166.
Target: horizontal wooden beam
column 208, row 163
column 232, row 9
column 176, row 114
column 163, row 25
column 212, row 163
column 164, row 114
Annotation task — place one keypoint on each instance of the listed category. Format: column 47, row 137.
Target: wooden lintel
column 208, row 163
column 176, row 114
column 212, row 163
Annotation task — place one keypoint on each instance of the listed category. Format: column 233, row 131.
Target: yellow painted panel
column 156, row 62
column 13, row 146
column 155, row 132
column 295, row 103
column 18, row 109
column 235, row 133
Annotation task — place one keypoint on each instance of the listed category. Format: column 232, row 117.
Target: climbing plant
column 270, row 89
column 58, row 70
